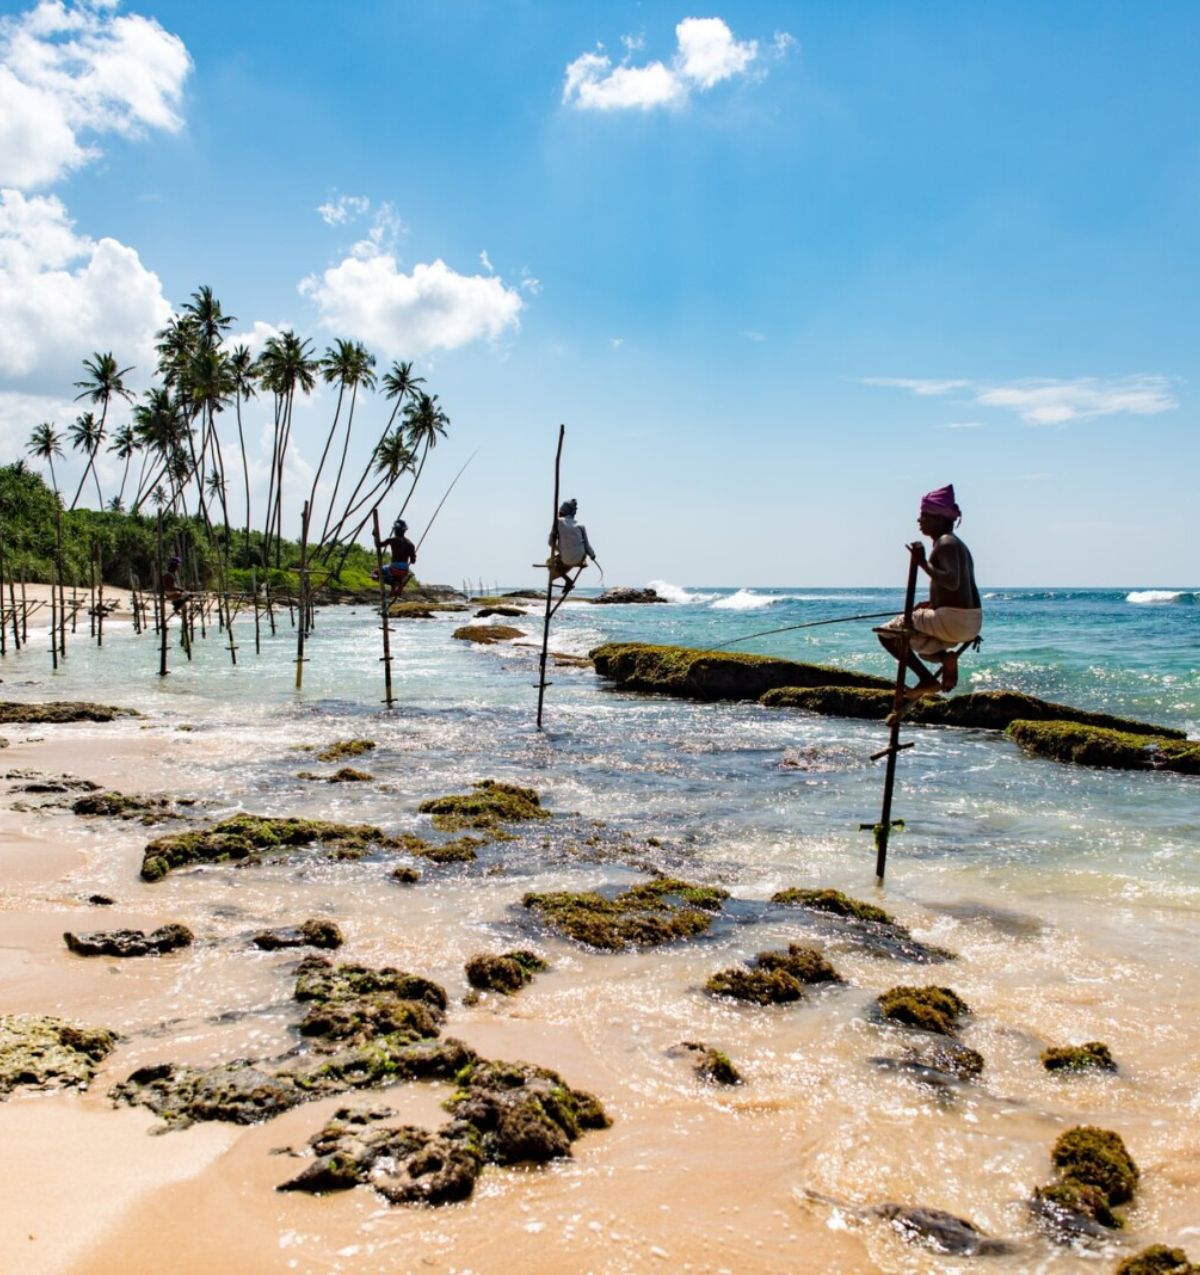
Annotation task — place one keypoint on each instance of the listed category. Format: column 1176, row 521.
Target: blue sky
column 780, row 268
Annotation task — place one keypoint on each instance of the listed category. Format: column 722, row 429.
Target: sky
column 779, row 268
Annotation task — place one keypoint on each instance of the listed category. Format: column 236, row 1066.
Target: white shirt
column 572, row 542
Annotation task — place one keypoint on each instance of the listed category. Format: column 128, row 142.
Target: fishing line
column 812, row 624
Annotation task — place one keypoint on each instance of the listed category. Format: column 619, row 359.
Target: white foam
column 676, row 593
column 745, row 600
column 1158, row 595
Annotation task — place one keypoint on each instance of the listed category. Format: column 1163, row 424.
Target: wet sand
column 689, row 1177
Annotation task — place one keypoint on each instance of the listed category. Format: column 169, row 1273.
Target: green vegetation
column 343, row 749
column 713, row 675
column 15, row 714
column 49, row 1053
column 777, row 977
column 506, row 973
column 1094, row 1055
column 490, row 804
column 931, row 1009
column 1096, row 1174
column 487, row 634
column 645, row 915
column 1158, row 1259
column 835, row 902
column 1100, row 746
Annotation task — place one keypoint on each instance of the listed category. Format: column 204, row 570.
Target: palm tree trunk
column 245, row 466
column 342, row 463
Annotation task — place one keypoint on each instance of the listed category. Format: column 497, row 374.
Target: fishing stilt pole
column 162, row 604
column 562, row 430
column 53, row 616
column 883, row 828
column 99, row 596
column 257, row 622
column 12, row 606
column 302, row 607
column 384, row 609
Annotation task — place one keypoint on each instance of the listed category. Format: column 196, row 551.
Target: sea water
column 1072, row 895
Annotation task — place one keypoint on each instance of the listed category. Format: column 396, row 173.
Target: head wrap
column 941, row 503
column 174, row 560
column 399, row 527
column 567, row 508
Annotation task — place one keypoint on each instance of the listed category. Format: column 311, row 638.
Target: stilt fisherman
column 952, row 616
column 570, row 548
column 404, row 556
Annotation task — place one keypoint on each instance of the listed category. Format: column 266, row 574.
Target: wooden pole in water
column 257, row 626
column 99, row 595
column 162, row 605
column 303, row 587
column 562, row 430
column 883, row 828
column 12, row 603
column 62, row 594
column 53, row 617
column 92, row 591
column 3, row 617
column 384, row 615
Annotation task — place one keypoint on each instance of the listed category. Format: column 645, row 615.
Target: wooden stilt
column 99, row 596
column 53, row 616
column 300, row 630
column 562, row 430
column 162, row 605
column 384, row 615
column 257, row 625
column 12, row 605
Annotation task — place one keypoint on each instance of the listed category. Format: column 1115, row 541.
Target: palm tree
column 159, row 429
column 285, row 365
column 424, row 424
column 45, row 442
column 347, row 364
column 393, row 459
column 124, row 444
column 86, row 434
column 241, row 371
column 209, row 387
column 210, row 321
column 104, row 379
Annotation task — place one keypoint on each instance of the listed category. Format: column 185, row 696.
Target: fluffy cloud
column 706, row 54
column 64, row 295
column 336, row 212
column 1051, row 401
column 367, row 296
column 71, row 72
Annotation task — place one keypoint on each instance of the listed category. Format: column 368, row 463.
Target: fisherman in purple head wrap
column 952, row 615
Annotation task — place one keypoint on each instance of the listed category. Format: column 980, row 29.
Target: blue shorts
column 395, row 570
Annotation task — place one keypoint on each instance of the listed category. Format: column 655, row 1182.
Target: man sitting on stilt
column 952, row 615
column 569, row 546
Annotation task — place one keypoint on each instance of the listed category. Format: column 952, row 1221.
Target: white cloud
column 963, row 425
column 706, row 54
column 64, row 295
column 781, row 42
column 70, row 72
column 337, row 212
column 615, row 342
column 407, row 315
column 1053, row 401
column 529, row 283
column 486, row 262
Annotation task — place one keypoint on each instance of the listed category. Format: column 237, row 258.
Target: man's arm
column 587, row 544
column 945, row 565
column 410, row 550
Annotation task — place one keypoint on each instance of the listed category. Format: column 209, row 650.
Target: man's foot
column 949, row 678
column 922, row 690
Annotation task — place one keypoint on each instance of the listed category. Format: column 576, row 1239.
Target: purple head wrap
column 941, row 503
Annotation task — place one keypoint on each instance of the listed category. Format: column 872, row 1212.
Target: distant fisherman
column 404, row 556
column 952, row 615
column 569, row 545
column 170, row 583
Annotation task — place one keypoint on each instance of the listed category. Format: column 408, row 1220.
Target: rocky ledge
column 1112, row 749
column 16, row 714
column 622, row 597
column 49, row 1053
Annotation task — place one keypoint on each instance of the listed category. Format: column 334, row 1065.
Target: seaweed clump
column 507, row 972
column 835, row 902
column 1158, row 1259
column 119, row 805
column 1093, row 1055
column 1100, row 746
column 490, row 804
column 60, row 711
column 712, row 1065
column 931, row 1009
column 487, row 634
column 245, row 838
column 167, row 938
column 864, row 924
column 315, row 932
column 40, row 1052
column 776, row 977
column 343, row 749
column 1096, row 1175
column 645, row 915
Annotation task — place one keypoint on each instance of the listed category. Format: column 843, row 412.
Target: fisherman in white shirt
column 569, row 545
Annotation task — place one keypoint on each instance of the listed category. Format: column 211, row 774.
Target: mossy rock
column 490, row 803
column 712, row 1065
column 42, row 1052
column 487, row 634
column 127, row 943
column 938, row 1062
column 646, row 915
column 13, row 713
column 1097, row 1158
column 406, row 875
column 315, row 932
column 1093, row 1055
column 834, row 902
column 246, row 838
column 507, row 612
column 981, row 710
column 1158, row 1259
column 423, row 610
column 506, row 973
column 348, row 775
column 459, row 850
column 1112, row 749
column 713, row 675
column 343, row 749
column 776, row 978
column 119, row 805
column 931, row 1009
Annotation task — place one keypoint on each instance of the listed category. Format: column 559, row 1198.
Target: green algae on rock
column 1158, row 1259
column 711, row 1065
column 981, row 710
column 835, row 902
column 507, row 972
column 125, row 943
column 938, row 1062
column 713, row 675
column 423, row 610
column 13, row 713
column 1112, row 749
column 315, row 932
column 776, row 978
column 405, row 875
column 490, row 804
column 645, row 915
column 930, row 1008
column 41, row 1052
column 1093, row 1055
column 342, row 749
column 1096, row 1174
column 487, row 634
column 246, row 838
column 119, row 805
column 459, row 850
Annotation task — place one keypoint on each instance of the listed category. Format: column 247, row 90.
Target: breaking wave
column 1160, row 595
column 746, row 600
column 676, row 593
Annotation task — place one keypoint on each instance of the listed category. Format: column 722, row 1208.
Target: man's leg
column 949, row 677
column 927, row 683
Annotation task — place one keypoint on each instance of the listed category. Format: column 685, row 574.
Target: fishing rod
column 812, row 624
column 446, row 497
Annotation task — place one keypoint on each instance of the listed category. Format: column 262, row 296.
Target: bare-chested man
column 952, row 615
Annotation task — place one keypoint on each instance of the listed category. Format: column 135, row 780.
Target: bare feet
column 922, row 690
column 949, row 678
